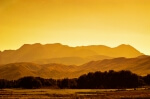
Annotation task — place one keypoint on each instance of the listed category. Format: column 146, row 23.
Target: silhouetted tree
column 110, row 79
column 147, row 79
column 29, row 83
column 3, row 83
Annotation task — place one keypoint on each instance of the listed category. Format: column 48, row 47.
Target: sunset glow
column 75, row 23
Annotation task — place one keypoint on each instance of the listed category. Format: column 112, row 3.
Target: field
column 73, row 94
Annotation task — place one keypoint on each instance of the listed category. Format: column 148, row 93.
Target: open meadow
column 74, row 94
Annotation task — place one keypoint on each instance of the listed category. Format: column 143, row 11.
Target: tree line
column 96, row 80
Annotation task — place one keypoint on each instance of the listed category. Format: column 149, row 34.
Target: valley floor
column 74, row 94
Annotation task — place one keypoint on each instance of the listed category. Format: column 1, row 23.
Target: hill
column 59, row 53
column 139, row 65
column 17, row 70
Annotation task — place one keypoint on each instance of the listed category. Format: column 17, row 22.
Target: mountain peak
column 37, row 44
column 29, row 45
column 55, row 44
column 124, row 45
column 127, row 51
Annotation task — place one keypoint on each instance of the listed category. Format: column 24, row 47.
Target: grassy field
column 73, row 94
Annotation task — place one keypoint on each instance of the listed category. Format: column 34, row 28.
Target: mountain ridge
column 37, row 51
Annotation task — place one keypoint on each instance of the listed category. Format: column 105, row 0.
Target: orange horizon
column 75, row 23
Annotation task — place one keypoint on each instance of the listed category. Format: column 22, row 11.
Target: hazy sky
column 75, row 23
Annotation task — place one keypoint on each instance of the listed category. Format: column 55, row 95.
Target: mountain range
column 63, row 54
column 61, row 61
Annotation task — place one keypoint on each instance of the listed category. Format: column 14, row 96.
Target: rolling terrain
column 139, row 65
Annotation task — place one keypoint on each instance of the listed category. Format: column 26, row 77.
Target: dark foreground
column 73, row 94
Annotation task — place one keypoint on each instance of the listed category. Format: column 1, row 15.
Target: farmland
column 74, row 94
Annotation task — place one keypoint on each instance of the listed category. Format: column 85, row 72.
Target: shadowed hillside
column 58, row 53
column 72, row 60
column 17, row 70
column 139, row 65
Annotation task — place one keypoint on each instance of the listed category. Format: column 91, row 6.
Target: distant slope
column 72, row 60
column 18, row 70
column 139, row 65
column 35, row 52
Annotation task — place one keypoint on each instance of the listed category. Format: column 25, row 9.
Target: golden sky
column 75, row 23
